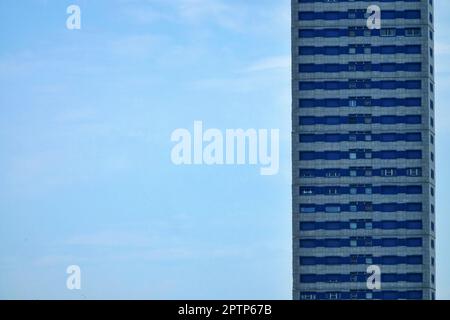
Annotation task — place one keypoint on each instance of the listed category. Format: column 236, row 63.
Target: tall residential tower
column 363, row 148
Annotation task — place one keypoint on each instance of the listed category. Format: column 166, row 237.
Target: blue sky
column 85, row 171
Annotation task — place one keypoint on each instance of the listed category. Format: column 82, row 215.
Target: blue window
column 307, row 208
column 414, row 260
column 413, row 119
column 332, row 120
column 414, row 67
column 361, row 66
column 306, row 33
column 390, row 154
column 413, row 154
column 411, row 14
column 307, row 278
column 414, row 277
column 332, row 243
column 414, row 242
column 413, row 225
column 305, row 173
column 411, row 49
column 388, row 14
column 307, row 86
column 307, row 103
column 307, row 261
column 390, row 295
column 331, row 33
column 306, row 16
column 307, row 243
column 332, row 50
column 333, row 208
column 414, row 136
column 388, row 84
column 413, row 32
column 307, row 120
column 332, row 85
column 387, row 207
column 334, row 1
column 413, row 190
column 359, row 49
column 333, row 138
column 389, row 277
column 307, row 138
column 388, row 49
column 388, row 119
column 411, row 84
column 413, row 207
column 389, row 242
column 389, row 225
column 306, row 50
column 306, row 226
column 333, row 225
column 333, row 260
column 412, row 102
column 356, row 14
column 388, row 137
column 390, row 260
column 307, row 156
column 388, row 190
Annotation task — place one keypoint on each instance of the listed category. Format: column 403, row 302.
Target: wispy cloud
column 278, row 62
column 442, row 48
column 113, row 239
column 136, row 46
column 199, row 9
column 238, row 16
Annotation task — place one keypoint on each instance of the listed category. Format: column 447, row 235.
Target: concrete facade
column 337, row 289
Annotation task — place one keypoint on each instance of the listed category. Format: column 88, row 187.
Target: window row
column 359, row 49
column 363, row 295
column 360, row 119
column 359, row 155
column 360, row 102
column 361, row 259
column 359, row 32
column 360, row 172
column 360, row 84
column 361, row 207
column 361, row 225
column 361, row 242
column 357, row 14
column 360, row 189
column 337, row 1
column 360, row 136
column 360, row 277
column 362, row 66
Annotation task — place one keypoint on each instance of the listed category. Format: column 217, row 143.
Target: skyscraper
column 363, row 149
